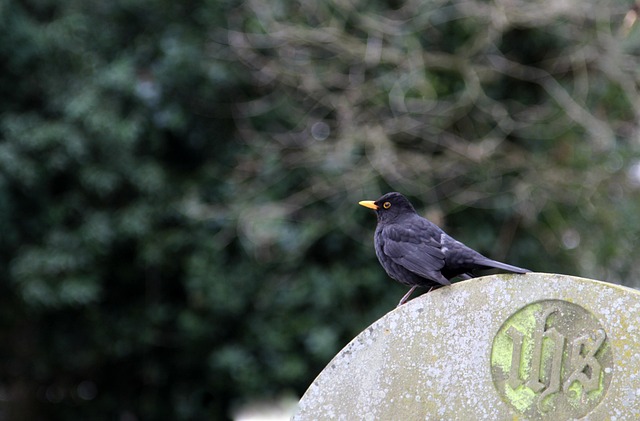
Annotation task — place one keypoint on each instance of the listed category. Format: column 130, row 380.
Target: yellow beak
column 369, row 204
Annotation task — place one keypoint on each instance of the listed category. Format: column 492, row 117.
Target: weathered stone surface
column 503, row 347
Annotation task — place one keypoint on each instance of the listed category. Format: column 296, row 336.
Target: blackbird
column 416, row 252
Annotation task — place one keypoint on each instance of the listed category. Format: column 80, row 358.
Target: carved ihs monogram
column 554, row 362
column 551, row 360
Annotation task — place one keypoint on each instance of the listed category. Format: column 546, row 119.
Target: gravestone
column 502, row 347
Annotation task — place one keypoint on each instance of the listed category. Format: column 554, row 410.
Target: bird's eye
column 386, row 205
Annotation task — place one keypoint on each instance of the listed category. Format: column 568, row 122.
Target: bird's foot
column 407, row 295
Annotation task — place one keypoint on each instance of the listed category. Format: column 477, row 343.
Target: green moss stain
column 522, row 398
column 502, row 350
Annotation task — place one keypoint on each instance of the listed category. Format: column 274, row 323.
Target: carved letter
column 514, row 372
column 539, row 334
column 556, row 364
column 579, row 362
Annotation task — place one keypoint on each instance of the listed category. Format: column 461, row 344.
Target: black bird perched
column 416, row 252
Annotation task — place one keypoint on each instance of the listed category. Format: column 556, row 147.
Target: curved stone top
column 501, row 347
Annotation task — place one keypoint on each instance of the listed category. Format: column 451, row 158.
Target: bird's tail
column 499, row 265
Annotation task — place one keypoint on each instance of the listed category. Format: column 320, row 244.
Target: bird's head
column 390, row 206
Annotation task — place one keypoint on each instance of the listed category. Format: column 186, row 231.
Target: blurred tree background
column 179, row 180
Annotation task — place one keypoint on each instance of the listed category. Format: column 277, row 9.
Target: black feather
column 416, row 252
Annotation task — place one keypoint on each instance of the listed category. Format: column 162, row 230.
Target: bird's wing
column 458, row 255
column 415, row 247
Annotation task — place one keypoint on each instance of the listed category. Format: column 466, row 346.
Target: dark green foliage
column 179, row 180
